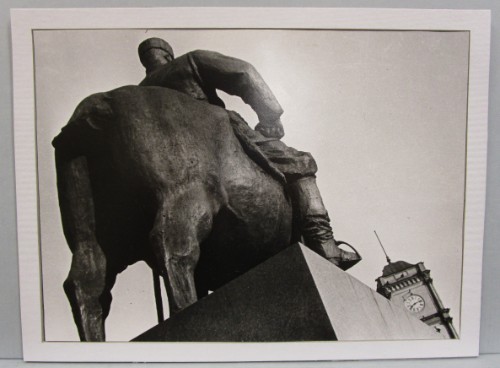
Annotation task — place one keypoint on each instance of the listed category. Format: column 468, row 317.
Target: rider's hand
column 272, row 129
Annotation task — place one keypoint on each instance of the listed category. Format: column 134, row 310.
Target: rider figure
column 199, row 74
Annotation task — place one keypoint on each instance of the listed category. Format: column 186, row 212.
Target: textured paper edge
column 24, row 20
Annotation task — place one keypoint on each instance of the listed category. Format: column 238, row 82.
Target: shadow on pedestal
column 294, row 296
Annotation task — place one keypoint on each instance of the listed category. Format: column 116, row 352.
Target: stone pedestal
column 294, row 296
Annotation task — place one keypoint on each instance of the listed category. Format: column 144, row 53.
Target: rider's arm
column 239, row 78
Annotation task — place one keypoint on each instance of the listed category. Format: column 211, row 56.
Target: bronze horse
column 147, row 173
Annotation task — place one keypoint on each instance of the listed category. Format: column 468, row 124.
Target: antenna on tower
column 386, row 256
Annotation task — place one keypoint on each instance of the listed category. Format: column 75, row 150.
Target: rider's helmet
column 155, row 43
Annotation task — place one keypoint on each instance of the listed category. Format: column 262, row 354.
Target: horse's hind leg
column 88, row 288
column 87, row 285
column 181, row 223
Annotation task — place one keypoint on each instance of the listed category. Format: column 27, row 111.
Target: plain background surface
column 10, row 339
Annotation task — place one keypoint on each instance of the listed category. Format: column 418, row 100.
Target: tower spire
column 386, row 256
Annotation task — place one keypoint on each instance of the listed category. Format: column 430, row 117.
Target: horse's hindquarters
column 253, row 225
column 172, row 185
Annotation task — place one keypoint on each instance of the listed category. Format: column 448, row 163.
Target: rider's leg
column 315, row 223
column 299, row 169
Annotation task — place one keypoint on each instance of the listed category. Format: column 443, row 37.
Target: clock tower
column 410, row 286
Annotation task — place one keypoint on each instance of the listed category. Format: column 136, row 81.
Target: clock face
column 414, row 303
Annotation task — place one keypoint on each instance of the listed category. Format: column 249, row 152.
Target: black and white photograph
column 255, row 185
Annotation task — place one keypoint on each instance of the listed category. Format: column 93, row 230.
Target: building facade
column 410, row 286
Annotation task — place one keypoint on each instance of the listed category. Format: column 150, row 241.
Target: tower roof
column 394, row 267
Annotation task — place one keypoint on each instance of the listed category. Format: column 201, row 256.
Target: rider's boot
column 315, row 223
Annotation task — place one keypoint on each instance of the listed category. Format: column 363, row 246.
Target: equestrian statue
column 163, row 173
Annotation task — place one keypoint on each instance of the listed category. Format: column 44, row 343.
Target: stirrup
column 346, row 259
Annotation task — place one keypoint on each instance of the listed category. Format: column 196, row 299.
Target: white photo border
column 24, row 21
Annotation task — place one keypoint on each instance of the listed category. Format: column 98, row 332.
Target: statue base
column 294, row 296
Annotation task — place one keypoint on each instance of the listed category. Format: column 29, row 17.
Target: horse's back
column 165, row 138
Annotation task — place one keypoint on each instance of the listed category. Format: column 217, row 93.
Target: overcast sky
column 383, row 113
